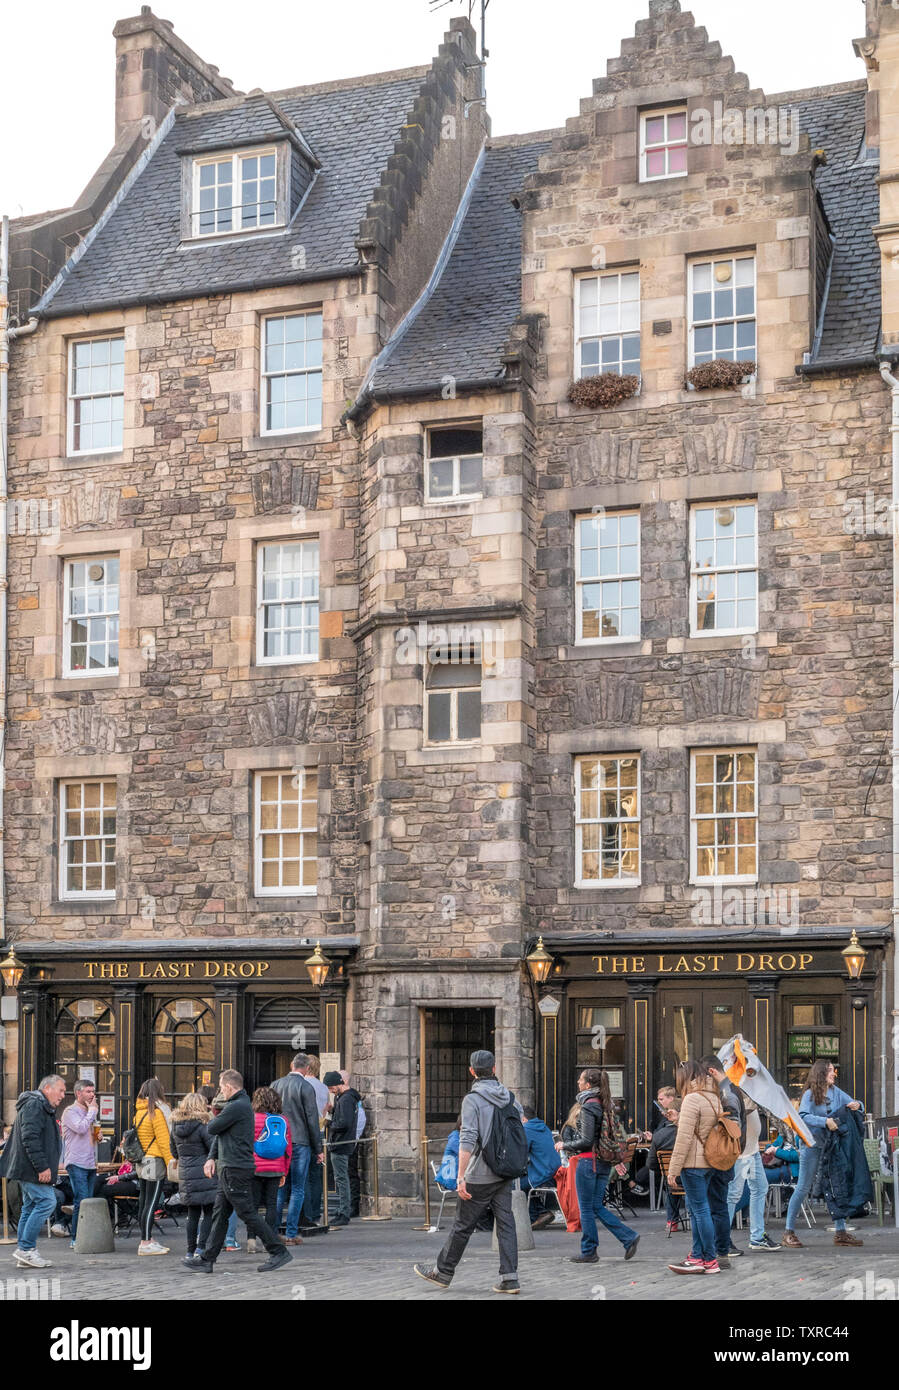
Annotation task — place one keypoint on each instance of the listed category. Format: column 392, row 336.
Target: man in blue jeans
column 32, row 1157
column 79, row 1146
column 300, row 1109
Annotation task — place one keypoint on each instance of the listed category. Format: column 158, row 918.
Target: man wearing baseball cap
column 481, row 1190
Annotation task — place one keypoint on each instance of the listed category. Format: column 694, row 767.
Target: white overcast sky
column 57, row 90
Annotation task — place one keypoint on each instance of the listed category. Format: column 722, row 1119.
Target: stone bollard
column 522, row 1222
column 94, row 1228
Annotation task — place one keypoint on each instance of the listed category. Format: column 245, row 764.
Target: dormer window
column 236, row 192
column 663, row 144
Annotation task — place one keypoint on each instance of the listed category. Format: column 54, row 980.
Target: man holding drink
column 80, row 1134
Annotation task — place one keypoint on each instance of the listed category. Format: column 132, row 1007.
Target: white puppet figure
column 740, row 1063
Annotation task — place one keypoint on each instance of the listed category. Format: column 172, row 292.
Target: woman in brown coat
column 700, row 1108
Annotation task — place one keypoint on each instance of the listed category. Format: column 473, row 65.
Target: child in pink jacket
column 271, row 1172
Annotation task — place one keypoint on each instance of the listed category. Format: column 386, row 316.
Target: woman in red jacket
column 272, row 1163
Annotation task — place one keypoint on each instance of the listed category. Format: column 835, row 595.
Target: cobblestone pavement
column 373, row 1261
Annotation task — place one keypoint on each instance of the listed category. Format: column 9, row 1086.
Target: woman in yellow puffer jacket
column 151, row 1120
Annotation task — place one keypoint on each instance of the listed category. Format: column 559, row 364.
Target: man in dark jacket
column 31, row 1156
column 341, row 1140
column 233, row 1156
column 719, row 1182
column 300, row 1108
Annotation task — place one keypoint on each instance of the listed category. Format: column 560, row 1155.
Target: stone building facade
column 527, row 709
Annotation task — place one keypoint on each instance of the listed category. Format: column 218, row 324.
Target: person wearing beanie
column 341, row 1141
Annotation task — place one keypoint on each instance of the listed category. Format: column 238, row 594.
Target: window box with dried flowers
column 720, row 373
column 603, row 392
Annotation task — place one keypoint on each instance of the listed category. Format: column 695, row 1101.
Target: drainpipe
column 7, row 334
column 893, row 384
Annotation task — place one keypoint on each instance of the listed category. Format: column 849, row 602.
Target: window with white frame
column 91, row 622
column 455, row 463
column 453, row 695
column 724, row 578
column 722, row 310
column 292, row 372
column 607, row 821
column 286, row 840
column 236, row 192
column 607, row 319
column 96, row 404
column 663, row 144
column 724, row 815
column 287, row 602
column 87, row 842
column 607, row 576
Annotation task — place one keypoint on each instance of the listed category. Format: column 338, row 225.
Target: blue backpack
column 272, row 1141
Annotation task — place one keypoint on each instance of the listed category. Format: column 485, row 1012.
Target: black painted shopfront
column 638, row 1009
column 121, row 1016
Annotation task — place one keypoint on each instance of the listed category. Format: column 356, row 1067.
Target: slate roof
column 137, row 256
column 835, row 122
column 462, row 328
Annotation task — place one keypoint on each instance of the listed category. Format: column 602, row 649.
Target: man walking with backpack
column 493, row 1152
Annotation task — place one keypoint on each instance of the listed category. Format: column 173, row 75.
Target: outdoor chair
column 666, row 1185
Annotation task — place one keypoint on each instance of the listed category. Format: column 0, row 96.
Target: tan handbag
column 172, row 1170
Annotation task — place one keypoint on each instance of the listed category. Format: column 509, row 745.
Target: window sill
column 62, row 685
column 722, row 643
column 614, row 886
column 307, row 902
column 81, row 907
column 98, row 456
column 319, row 435
column 581, row 651
column 267, row 670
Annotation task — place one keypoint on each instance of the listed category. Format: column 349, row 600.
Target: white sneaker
column 152, row 1247
column 31, row 1259
column 251, row 1246
column 60, row 1230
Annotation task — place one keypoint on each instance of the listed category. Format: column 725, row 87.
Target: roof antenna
column 472, row 6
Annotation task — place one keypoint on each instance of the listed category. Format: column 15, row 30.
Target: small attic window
column 237, row 192
column 663, row 144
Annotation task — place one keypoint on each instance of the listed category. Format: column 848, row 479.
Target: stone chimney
column 880, row 51
column 154, row 69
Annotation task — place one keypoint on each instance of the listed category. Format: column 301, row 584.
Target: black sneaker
column 638, row 1191
column 281, row 1257
column 734, row 1253
column 433, row 1275
column 509, row 1285
column 198, row 1266
column 584, row 1260
column 339, row 1221
column 766, row 1243
column 724, row 1262
column 631, row 1250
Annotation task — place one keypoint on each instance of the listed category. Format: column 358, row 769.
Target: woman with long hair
column 820, row 1099
column 191, row 1144
column 592, row 1175
column 151, row 1122
column 699, row 1113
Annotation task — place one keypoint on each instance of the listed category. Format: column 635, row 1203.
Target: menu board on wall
column 107, row 1110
